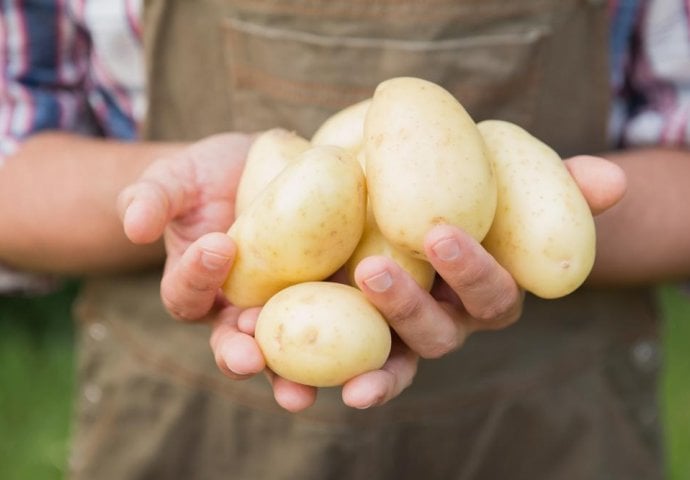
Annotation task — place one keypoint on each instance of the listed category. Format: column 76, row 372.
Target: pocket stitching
column 247, row 77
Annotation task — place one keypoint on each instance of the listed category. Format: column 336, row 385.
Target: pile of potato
column 306, row 208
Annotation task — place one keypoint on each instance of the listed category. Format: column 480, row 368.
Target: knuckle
column 194, row 290
column 491, row 313
column 404, row 311
column 502, row 312
column 441, row 347
column 196, row 282
column 472, row 276
column 175, row 307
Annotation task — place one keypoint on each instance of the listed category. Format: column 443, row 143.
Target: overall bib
column 569, row 392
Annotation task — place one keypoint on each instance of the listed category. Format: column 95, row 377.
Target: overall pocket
column 287, row 72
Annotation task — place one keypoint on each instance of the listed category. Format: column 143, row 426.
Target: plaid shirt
column 70, row 65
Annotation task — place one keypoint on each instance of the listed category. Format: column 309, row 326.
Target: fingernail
column 379, row 282
column 447, row 249
column 213, row 261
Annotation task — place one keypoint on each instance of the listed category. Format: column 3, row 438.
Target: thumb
column 602, row 182
column 190, row 283
column 164, row 191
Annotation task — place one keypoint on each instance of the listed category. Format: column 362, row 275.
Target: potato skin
column 302, row 227
column 425, row 164
column 271, row 152
column 345, row 128
column 374, row 243
column 543, row 231
column 322, row 334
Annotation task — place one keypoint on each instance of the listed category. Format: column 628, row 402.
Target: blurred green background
column 36, row 384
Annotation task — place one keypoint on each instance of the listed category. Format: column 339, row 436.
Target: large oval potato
column 271, row 152
column 322, row 334
column 543, row 231
column 425, row 164
column 303, row 226
column 345, row 128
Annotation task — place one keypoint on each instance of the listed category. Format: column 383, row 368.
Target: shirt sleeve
column 651, row 77
column 44, row 60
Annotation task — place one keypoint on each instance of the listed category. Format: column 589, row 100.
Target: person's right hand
column 188, row 198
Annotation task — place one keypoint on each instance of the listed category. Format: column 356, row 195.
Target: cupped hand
column 188, row 198
column 472, row 291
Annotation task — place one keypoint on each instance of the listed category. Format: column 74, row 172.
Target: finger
column 236, row 353
column 420, row 321
column 293, row 397
column 247, row 320
column 190, row 285
column 379, row 386
column 487, row 291
column 143, row 208
column 165, row 190
column 602, row 182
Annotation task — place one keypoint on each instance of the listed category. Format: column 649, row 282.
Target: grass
column 675, row 385
column 36, row 384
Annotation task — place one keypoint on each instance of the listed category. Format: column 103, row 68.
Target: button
column 648, row 417
column 644, row 354
column 93, row 393
column 98, row 331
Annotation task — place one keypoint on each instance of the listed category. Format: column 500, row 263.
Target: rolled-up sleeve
column 44, row 61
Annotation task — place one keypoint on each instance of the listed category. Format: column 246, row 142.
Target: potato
column 270, row 153
column 543, row 231
column 374, row 243
column 345, row 128
column 425, row 164
column 322, row 334
column 303, row 226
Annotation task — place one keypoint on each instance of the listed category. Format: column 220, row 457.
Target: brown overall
column 569, row 392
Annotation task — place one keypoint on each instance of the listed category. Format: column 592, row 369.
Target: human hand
column 472, row 292
column 186, row 197
column 189, row 199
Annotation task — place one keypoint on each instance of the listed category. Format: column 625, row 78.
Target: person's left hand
column 472, row 292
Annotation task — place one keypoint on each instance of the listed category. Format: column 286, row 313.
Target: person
column 557, row 395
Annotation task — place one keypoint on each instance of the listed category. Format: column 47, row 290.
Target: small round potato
column 374, row 243
column 271, row 152
column 345, row 128
column 322, row 334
